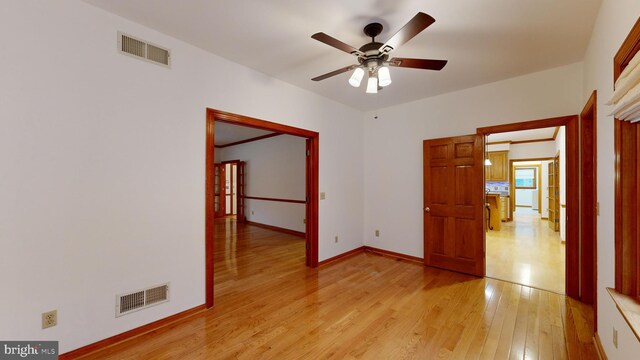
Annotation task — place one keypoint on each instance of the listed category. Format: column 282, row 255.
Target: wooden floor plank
column 268, row 305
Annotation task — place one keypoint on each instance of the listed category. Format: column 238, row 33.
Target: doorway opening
column 226, row 185
column 535, row 249
column 523, row 243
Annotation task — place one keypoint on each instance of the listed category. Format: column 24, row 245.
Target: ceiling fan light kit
column 372, row 84
column 374, row 56
column 357, row 76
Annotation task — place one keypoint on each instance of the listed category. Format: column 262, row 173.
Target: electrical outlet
column 49, row 319
column 336, row 239
column 322, row 196
column 615, row 338
column 377, row 233
column 251, row 212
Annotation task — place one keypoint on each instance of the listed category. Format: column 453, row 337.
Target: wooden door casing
column 454, row 204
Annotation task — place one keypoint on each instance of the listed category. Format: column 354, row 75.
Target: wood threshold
column 599, row 349
column 128, row 335
column 342, row 256
column 394, row 254
column 276, row 228
column 275, row 199
column 629, row 308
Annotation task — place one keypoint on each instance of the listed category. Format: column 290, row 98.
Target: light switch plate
column 322, row 196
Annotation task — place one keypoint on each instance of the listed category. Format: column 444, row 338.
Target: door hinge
column 307, row 245
column 308, row 153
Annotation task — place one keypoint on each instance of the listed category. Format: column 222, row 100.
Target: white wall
column 532, row 150
column 275, row 168
column 615, row 20
column 103, row 167
column 397, row 135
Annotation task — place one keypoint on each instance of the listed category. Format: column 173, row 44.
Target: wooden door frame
column 512, row 179
column 213, row 115
column 570, row 122
column 588, row 201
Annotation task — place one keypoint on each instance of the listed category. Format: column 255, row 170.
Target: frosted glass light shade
column 356, row 77
column 372, row 85
column 384, row 77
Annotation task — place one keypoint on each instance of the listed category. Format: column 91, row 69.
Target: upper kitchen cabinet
column 499, row 168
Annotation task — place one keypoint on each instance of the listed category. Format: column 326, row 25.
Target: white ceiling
column 523, row 135
column 484, row 40
column 229, row 133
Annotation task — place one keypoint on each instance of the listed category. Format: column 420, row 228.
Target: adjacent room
column 524, row 183
column 367, row 179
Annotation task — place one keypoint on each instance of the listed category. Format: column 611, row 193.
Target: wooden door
column 454, row 203
column 240, row 184
column 218, row 190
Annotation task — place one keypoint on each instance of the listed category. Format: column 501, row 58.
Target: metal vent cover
column 141, row 299
column 141, row 49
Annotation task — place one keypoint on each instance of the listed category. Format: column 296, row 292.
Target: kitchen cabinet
column 499, row 168
column 505, row 211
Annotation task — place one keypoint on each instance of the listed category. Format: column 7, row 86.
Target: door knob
column 427, row 209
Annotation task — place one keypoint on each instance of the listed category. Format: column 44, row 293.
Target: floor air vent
column 143, row 50
column 138, row 300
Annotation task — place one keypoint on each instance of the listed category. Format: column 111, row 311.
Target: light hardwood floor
column 269, row 306
column 526, row 251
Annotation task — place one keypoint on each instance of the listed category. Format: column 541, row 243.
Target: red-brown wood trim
column 247, row 121
column 342, row 256
column 209, row 216
column 527, row 125
column 627, row 201
column 275, row 199
column 571, row 166
column 588, row 200
column 599, row 349
column 499, row 142
column 313, row 138
column 394, row 254
column 144, row 329
column 248, row 140
column 276, row 228
column 630, row 46
column 531, row 141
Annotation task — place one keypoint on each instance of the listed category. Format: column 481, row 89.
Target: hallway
column 526, row 251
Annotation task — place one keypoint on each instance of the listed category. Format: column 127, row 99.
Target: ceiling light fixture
column 486, row 151
column 357, row 76
column 372, row 84
column 384, row 77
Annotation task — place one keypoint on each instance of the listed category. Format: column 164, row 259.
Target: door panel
column 454, row 203
column 219, row 193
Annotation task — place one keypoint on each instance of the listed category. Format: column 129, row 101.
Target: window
column 526, row 178
column 627, row 196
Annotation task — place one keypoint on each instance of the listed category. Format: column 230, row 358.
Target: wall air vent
column 141, row 299
column 143, row 50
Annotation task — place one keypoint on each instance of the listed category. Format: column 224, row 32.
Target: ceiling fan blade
column 419, row 22
column 426, row 64
column 331, row 41
column 334, row 73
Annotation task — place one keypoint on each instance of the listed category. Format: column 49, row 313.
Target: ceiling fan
column 373, row 57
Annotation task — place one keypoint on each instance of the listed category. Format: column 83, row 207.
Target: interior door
column 454, row 204
column 240, row 190
column 218, row 189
